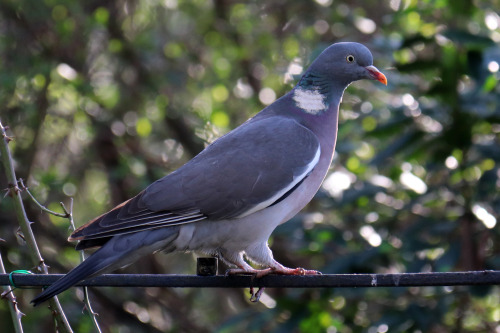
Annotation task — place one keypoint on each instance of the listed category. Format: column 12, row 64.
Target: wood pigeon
column 228, row 199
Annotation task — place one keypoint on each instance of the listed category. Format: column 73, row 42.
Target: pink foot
column 294, row 271
column 281, row 270
column 256, row 272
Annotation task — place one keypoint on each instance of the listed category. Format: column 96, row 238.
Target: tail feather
column 89, row 267
column 119, row 251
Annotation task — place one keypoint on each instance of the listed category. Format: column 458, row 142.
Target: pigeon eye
column 350, row 58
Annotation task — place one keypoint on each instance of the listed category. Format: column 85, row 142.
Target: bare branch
column 25, row 226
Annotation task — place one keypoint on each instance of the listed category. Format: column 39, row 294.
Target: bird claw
column 255, row 296
column 311, row 272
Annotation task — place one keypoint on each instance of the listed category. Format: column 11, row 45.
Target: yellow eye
column 350, row 58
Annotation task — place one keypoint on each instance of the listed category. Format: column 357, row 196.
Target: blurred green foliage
column 103, row 97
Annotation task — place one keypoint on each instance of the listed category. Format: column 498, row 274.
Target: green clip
column 19, row 271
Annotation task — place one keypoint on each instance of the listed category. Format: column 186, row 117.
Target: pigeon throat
column 311, row 100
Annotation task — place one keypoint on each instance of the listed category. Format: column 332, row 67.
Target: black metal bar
column 276, row 281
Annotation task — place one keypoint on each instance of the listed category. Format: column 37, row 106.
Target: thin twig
column 42, row 207
column 8, row 294
column 86, row 299
column 62, row 323
column 69, row 215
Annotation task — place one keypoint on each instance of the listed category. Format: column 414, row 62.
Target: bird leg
column 245, row 268
column 262, row 255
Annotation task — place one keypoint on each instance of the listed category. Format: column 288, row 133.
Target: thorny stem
column 8, row 294
column 24, row 224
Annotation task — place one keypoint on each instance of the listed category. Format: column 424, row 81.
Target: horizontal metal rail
column 273, row 281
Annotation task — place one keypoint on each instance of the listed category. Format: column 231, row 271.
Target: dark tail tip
column 45, row 295
column 39, row 299
column 50, row 292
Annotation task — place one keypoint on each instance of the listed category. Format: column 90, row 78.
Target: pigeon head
column 324, row 82
column 344, row 63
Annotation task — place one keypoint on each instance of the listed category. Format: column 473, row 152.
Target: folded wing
column 242, row 172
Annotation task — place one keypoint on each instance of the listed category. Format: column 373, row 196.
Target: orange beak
column 376, row 74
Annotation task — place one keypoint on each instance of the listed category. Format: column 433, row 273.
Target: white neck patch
column 309, row 100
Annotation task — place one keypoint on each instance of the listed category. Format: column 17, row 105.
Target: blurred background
column 104, row 97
